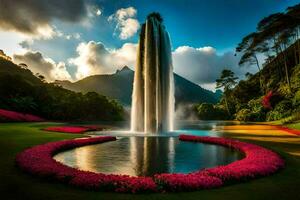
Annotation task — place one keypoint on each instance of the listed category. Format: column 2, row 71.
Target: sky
column 70, row 40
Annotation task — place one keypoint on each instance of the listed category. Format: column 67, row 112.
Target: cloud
column 44, row 66
column 203, row 65
column 94, row 58
column 200, row 65
column 126, row 23
column 33, row 17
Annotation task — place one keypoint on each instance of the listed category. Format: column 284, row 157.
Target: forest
column 273, row 93
column 23, row 91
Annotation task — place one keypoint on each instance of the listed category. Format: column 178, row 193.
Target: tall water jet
column 153, row 89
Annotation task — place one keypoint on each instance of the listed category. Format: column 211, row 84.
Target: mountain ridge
column 119, row 87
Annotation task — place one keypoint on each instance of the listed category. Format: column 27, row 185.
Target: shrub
column 296, row 99
column 282, row 109
column 208, row 111
column 266, row 100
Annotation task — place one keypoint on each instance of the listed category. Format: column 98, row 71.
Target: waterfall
column 153, row 88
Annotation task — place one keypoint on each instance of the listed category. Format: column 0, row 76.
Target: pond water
column 146, row 156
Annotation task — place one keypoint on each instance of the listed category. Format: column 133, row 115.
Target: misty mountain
column 119, row 86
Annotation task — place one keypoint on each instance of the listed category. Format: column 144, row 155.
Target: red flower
column 68, row 129
column 258, row 162
column 266, row 101
column 75, row 129
column 8, row 115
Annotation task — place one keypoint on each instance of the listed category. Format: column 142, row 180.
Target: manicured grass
column 15, row 184
column 294, row 125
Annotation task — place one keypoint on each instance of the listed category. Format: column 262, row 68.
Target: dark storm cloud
column 28, row 15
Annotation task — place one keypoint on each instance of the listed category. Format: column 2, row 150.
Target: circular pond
column 146, row 156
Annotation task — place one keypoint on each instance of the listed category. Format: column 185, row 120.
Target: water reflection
column 145, row 156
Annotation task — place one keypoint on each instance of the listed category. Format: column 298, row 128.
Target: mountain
column 24, row 92
column 119, row 86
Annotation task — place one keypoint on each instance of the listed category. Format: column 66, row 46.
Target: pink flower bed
column 39, row 161
column 8, row 115
column 75, row 129
column 258, row 162
column 68, row 129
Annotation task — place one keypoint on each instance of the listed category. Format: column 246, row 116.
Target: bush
column 296, row 99
column 208, row 111
column 282, row 109
column 243, row 114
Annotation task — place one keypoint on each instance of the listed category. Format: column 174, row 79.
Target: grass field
column 294, row 125
column 14, row 184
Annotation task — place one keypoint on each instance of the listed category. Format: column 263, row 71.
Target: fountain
column 153, row 88
column 135, row 153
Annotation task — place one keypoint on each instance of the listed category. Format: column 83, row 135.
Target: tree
column 250, row 47
column 248, row 75
column 23, row 66
column 227, row 81
column 279, row 31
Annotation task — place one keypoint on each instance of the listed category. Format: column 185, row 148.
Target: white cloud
column 203, row 65
column 44, row 66
column 94, row 58
column 126, row 23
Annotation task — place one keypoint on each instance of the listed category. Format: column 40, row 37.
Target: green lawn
column 15, row 184
column 294, row 125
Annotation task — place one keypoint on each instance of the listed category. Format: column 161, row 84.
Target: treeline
column 274, row 91
column 22, row 91
column 274, row 35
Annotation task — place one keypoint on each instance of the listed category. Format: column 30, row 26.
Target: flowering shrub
column 68, row 129
column 8, row 115
column 258, row 162
column 75, row 129
column 266, row 100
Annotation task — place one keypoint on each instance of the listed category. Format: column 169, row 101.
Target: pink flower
column 68, row 129
column 266, row 101
column 75, row 129
column 8, row 115
column 258, row 162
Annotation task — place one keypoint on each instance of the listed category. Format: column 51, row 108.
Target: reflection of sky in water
column 147, row 156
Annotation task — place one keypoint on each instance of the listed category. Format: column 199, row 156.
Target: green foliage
column 295, row 78
column 208, row 111
column 253, row 111
column 244, row 115
column 227, row 80
column 296, row 99
column 21, row 91
column 282, row 109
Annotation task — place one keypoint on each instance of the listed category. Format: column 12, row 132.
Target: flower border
column 79, row 129
column 258, row 162
column 13, row 116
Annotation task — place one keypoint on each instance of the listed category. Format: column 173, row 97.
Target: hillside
column 119, row 86
column 273, row 101
column 22, row 91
